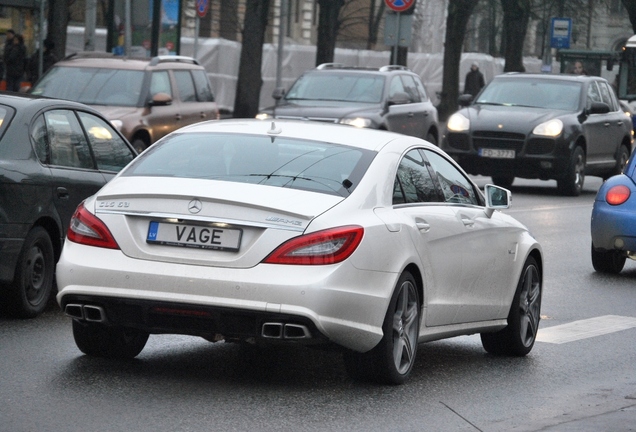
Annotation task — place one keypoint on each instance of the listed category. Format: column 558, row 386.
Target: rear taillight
column 88, row 229
column 330, row 246
column 617, row 195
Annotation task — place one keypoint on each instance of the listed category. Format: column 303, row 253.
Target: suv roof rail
column 172, row 58
column 329, row 66
column 89, row 54
column 388, row 68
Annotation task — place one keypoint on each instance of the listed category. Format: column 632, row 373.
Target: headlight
column 117, row 124
column 263, row 116
column 550, row 128
column 458, row 123
column 357, row 122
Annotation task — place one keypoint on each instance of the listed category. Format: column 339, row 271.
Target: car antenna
column 274, row 130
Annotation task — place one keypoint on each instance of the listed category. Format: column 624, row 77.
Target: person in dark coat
column 15, row 63
column 48, row 59
column 8, row 41
column 474, row 81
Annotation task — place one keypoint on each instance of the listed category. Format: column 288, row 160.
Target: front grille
column 458, row 141
column 498, row 140
column 539, row 146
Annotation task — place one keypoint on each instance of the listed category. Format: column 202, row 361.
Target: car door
column 161, row 118
column 598, row 130
column 403, row 110
column 617, row 120
column 192, row 109
column 74, row 176
column 485, row 248
column 434, row 233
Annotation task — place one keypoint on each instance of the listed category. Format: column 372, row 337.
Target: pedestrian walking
column 15, row 60
column 474, row 81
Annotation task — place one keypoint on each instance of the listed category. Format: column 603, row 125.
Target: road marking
column 584, row 329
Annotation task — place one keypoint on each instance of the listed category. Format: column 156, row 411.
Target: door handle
column 606, row 124
column 62, row 193
column 177, row 117
column 620, row 123
column 203, row 114
column 423, row 226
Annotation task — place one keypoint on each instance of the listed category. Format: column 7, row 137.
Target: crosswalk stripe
column 584, row 329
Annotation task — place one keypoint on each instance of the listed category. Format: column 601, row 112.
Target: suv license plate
column 194, row 236
column 497, row 153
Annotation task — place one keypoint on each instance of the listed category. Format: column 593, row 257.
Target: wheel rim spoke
column 529, row 305
column 405, row 322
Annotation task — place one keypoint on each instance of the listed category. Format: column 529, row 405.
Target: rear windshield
column 93, row 86
column 273, row 161
column 530, row 92
column 338, row 87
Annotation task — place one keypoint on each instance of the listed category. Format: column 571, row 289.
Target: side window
column 185, row 86
column 67, row 141
column 202, row 85
column 593, row 94
column 39, row 138
column 411, row 88
column 160, row 83
column 413, row 182
column 420, row 89
column 455, row 186
column 606, row 94
column 111, row 152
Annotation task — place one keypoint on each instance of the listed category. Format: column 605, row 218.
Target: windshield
column 283, row 162
column 92, row 86
column 338, row 87
column 540, row 93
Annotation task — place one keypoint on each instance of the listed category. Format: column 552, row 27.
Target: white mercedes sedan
column 308, row 233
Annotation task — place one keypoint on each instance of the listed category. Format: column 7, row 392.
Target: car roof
column 369, row 139
column 27, row 100
column 109, row 61
column 549, row 77
column 339, row 68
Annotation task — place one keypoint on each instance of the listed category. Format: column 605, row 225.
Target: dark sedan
column 559, row 127
column 53, row 154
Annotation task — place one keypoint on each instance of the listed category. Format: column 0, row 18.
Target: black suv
column 145, row 98
column 538, row 126
column 391, row 98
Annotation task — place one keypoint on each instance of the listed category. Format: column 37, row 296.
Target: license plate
column 194, row 236
column 497, row 153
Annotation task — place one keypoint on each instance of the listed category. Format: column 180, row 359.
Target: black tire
column 431, row 138
column 139, row 145
column 517, row 339
column 621, row 161
column 503, row 181
column 99, row 340
column 31, row 288
column 392, row 360
column 571, row 184
column 611, row 261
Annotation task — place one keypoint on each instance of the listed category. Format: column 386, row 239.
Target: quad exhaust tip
column 89, row 313
column 276, row 330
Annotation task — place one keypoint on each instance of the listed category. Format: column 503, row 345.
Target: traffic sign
column 399, row 5
column 560, row 32
column 202, row 7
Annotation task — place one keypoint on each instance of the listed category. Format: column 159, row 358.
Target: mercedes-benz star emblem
column 195, row 206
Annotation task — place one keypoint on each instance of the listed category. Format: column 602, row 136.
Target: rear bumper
column 614, row 227
column 336, row 303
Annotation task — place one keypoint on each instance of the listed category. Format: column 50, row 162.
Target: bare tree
column 328, row 25
column 515, row 25
column 630, row 7
column 248, row 86
column 459, row 12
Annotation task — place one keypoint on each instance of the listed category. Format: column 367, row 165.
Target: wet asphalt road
column 183, row 383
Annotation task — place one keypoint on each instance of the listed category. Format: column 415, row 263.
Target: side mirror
column 497, row 198
column 399, row 98
column 465, row 100
column 278, row 93
column 599, row 108
column 160, row 99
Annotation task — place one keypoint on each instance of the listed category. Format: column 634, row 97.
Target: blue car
column 614, row 221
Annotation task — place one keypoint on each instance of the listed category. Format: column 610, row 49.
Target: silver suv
column 144, row 98
column 391, row 98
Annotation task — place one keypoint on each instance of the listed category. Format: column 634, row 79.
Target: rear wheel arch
column 56, row 234
column 417, row 275
column 141, row 135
